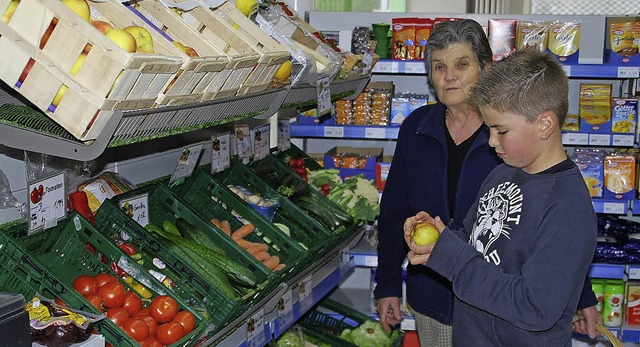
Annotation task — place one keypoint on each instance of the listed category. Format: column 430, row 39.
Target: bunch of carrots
column 258, row 250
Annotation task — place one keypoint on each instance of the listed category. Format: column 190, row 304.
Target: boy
column 519, row 263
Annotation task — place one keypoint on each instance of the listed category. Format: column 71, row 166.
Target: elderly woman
column 442, row 157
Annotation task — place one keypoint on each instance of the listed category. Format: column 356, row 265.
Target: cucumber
column 235, row 271
column 194, row 234
column 169, row 227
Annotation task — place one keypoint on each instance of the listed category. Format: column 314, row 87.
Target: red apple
column 102, row 26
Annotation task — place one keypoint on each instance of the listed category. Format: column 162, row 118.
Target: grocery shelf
column 325, row 274
column 389, row 66
column 587, row 139
column 24, row 127
column 344, row 131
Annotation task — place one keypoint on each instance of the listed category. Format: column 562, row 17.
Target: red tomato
column 187, row 320
column 143, row 312
column 153, row 325
column 136, row 328
column 112, row 294
column 95, row 299
column 104, row 278
column 169, row 333
column 85, row 284
column 163, row 308
column 60, row 303
column 132, row 302
column 117, row 315
column 150, row 342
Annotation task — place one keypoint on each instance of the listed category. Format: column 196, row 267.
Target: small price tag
column 567, row 70
column 285, row 309
column 344, row 257
column 623, row 140
column 575, row 139
column 260, row 141
column 323, row 91
column 220, row 154
column 331, row 131
column 374, row 133
column 187, row 161
column 137, row 208
column 370, row 261
column 614, row 208
column 395, row 67
column 305, row 294
column 47, row 202
column 599, row 139
column 367, row 60
column 628, row 72
column 634, row 273
column 255, row 330
column 243, row 141
column 414, row 68
column 284, row 134
column 382, row 67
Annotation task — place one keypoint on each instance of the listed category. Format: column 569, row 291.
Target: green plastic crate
column 339, row 233
column 49, row 262
column 296, row 152
column 341, row 317
column 198, row 191
column 165, row 205
column 111, row 221
column 302, row 227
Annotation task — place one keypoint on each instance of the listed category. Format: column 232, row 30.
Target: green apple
column 424, row 233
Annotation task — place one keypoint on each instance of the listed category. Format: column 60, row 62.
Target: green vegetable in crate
column 369, row 334
column 291, row 338
column 357, row 195
column 191, row 232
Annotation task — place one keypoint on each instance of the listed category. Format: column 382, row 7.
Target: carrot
column 215, row 222
column 225, row 226
column 262, row 256
column 248, row 244
column 279, row 267
column 272, row 262
column 242, row 231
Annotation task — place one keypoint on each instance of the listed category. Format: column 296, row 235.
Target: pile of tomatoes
column 161, row 323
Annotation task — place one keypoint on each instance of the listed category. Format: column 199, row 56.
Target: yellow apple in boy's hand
column 143, row 38
column 424, row 233
column 80, row 7
column 122, row 39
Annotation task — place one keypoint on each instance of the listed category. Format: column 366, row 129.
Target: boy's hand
column 420, row 254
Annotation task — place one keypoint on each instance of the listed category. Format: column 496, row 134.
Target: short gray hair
column 526, row 83
column 460, row 31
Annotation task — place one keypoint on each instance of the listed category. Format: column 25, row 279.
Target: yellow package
column 623, row 38
column 532, row 34
column 619, row 176
column 564, row 38
column 105, row 186
column 595, row 115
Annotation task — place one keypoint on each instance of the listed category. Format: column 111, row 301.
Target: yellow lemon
column 247, row 7
column 284, row 72
column 424, row 233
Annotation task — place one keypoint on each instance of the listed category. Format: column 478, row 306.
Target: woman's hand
column 420, row 254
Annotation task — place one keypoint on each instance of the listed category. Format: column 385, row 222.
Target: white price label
column 284, row 134
column 220, row 153
column 330, row 131
column 47, row 202
column 415, row 67
column 323, row 96
column 599, row 139
column 623, row 140
column 567, row 70
column 255, row 330
column 374, row 133
column 382, row 67
column 614, row 208
column 634, row 273
column 395, row 67
column 370, row 261
column 575, row 139
column 285, row 307
column 260, row 140
column 305, row 294
column 137, row 208
column 344, row 257
column 187, row 161
column 628, row 72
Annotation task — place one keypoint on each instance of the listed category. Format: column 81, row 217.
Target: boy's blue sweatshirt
column 518, row 265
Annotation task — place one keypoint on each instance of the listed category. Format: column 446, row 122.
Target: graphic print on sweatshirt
column 498, row 210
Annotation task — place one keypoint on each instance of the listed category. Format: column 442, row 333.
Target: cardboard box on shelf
column 382, row 170
column 352, row 161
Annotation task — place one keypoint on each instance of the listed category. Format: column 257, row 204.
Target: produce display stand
column 112, row 222
column 48, row 262
column 210, row 199
column 303, row 229
column 330, row 318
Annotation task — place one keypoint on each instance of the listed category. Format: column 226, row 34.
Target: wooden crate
column 91, row 95
column 232, row 32
column 213, row 85
column 186, row 87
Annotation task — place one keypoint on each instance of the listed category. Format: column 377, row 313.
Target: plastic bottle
column 613, row 299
